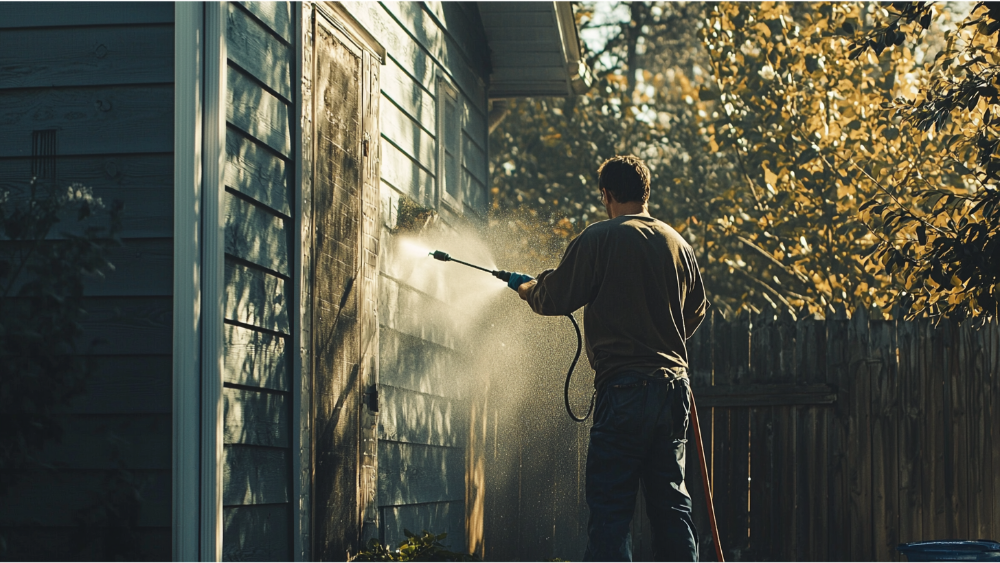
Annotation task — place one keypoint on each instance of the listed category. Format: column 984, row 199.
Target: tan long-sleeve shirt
column 643, row 295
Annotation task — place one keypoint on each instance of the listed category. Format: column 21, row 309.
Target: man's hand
column 517, row 279
column 524, row 288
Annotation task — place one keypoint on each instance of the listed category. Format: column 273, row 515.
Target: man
column 643, row 296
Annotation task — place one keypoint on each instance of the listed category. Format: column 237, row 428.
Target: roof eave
column 565, row 72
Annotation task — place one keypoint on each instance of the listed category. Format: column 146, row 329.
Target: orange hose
column 704, row 479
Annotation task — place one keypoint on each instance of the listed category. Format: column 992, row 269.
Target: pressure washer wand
column 505, row 276
column 445, row 257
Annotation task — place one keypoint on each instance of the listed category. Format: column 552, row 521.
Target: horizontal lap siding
column 258, row 181
column 423, row 418
column 101, row 77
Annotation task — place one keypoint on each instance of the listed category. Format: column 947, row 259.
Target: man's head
column 625, row 178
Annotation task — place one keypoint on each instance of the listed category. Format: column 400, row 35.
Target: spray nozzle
column 444, row 257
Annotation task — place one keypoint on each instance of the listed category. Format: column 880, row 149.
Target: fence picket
column 838, row 375
column 993, row 438
column 811, row 507
column 761, row 441
column 740, row 431
column 885, row 470
column 783, row 490
column 699, row 350
column 909, row 442
column 722, row 439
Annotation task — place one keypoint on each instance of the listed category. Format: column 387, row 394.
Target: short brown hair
column 625, row 177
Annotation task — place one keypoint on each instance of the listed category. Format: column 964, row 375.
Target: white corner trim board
column 188, row 53
column 213, row 283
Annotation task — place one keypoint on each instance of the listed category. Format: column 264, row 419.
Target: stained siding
column 423, row 417
column 101, row 76
column 259, row 266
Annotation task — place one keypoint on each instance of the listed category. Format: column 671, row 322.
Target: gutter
column 579, row 78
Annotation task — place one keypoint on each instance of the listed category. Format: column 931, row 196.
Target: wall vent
column 43, row 154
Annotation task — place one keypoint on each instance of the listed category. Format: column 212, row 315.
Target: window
column 449, row 169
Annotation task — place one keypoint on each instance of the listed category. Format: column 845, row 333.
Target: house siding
column 424, row 409
column 101, row 76
column 260, row 265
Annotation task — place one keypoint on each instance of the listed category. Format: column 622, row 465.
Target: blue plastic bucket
column 951, row 550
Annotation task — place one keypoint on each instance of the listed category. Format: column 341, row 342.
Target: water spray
column 505, row 276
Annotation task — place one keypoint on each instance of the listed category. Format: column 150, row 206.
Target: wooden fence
column 827, row 440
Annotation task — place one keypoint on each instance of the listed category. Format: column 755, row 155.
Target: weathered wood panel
column 256, row 359
column 255, row 234
column 89, row 121
column 437, row 517
column 277, row 16
column 51, row 14
column 255, row 475
column 143, row 183
column 258, row 113
column 104, row 441
column 257, row 51
column 256, row 533
column 371, row 230
column 256, row 418
column 256, row 298
column 414, row 473
column 257, row 173
column 418, row 418
column 55, row 498
column 128, row 325
column 407, row 136
column 86, row 56
column 127, row 385
column 337, row 176
column 303, row 404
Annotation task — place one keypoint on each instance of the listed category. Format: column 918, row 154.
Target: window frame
column 446, row 89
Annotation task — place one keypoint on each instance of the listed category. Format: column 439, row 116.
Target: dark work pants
column 638, row 437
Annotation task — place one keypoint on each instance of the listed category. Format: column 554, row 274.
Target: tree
column 800, row 114
column 645, row 101
column 767, row 129
column 942, row 243
column 41, row 292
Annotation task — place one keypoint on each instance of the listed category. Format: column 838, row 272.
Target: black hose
column 505, row 276
column 569, row 375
